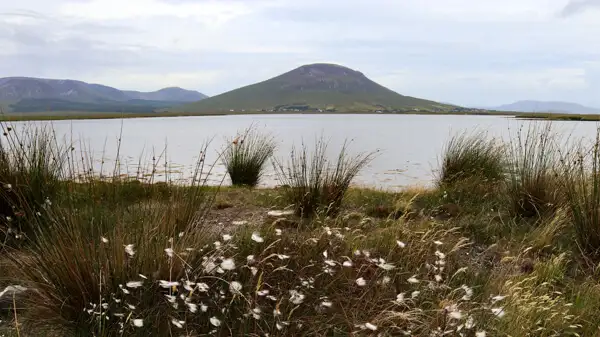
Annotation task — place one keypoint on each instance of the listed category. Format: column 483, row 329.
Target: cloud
column 577, row 6
column 485, row 52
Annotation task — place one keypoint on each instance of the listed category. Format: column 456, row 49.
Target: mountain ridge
column 547, row 106
column 312, row 87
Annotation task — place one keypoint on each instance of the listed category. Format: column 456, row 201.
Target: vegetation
column 533, row 160
column 313, row 184
column 468, row 156
column 246, row 156
column 128, row 258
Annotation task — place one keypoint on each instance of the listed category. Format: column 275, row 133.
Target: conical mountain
column 312, row 87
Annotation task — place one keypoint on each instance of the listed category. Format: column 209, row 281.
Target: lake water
column 409, row 145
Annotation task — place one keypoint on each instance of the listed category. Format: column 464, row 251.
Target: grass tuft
column 314, row 184
column 468, row 156
column 246, row 156
column 533, row 184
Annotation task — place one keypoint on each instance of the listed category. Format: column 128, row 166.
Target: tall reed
column 246, row 156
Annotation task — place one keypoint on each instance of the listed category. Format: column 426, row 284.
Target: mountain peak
column 313, row 87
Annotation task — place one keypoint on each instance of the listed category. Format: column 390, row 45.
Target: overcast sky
column 469, row 52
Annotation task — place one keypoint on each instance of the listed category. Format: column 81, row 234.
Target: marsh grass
column 467, row 156
column 32, row 165
column 313, row 183
column 246, row 156
column 582, row 196
column 534, row 183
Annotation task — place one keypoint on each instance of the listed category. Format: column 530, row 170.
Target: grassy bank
column 505, row 244
column 67, row 115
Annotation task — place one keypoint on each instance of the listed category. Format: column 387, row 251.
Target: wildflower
column 168, row 284
column 257, row 238
column 400, row 244
column 134, row 284
column 278, row 231
column 371, row 326
column 177, row 323
column 227, row 237
column 169, row 252
column 347, row 263
column 129, row 250
column 468, row 293
column 256, row 313
column 228, row 264
column 235, row 287
column 498, row 312
column 138, row 322
column 413, row 280
column 399, row 298
column 193, row 307
column 498, row 298
column 386, row 266
column 480, row 334
column 103, row 239
column 361, row 282
column 296, row 297
column 326, row 304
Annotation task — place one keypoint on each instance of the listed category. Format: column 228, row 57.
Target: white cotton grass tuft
column 468, row 293
column 138, row 322
column 168, row 284
column 296, row 297
column 177, row 323
column 400, row 244
column 134, row 284
column 438, row 243
column 361, row 282
column 371, row 326
column 235, row 287
column 278, row 232
column 257, row 238
column 228, row 264
column 169, row 252
column 227, row 237
column 413, row 280
column 480, row 334
column 129, row 250
column 347, row 264
column 103, row 239
column 327, row 304
column 498, row 312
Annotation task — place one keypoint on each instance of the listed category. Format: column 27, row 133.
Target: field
column 506, row 244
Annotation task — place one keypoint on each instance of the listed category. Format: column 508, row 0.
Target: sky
column 467, row 52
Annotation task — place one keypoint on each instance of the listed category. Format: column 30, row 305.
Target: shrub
column 313, row 184
column 533, row 188
column 245, row 157
column 32, row 165
column 582, row 196
column 469, row 156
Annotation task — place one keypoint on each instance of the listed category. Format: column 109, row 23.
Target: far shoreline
column 50, row 116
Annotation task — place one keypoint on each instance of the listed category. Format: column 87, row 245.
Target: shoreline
column 35, row 116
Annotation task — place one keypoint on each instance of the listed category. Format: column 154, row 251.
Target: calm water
column 409, row 145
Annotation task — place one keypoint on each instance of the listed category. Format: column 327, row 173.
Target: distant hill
column 544, row 106
column 311, row 88
column 27, row 94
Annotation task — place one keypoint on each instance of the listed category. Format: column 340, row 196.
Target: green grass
column 533, row 178
column 468, row 156
column 314, row 184
column 246, row 156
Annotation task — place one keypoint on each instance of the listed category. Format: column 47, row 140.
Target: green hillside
column 311, row 88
